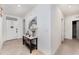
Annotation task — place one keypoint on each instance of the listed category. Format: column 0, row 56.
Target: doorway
column 24, row 27
column 75, row 29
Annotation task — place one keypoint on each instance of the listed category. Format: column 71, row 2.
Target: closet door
column 77, row 29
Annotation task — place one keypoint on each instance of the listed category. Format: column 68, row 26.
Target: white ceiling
column 12, row 9
column 69, row 9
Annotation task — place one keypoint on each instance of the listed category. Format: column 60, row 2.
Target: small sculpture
column 33, row 26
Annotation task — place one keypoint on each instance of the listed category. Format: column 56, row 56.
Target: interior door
column 77, row 29
column 62, row 29
column 11, row 29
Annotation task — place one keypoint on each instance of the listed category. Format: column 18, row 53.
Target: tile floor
column 69, row 47
column 15, row 47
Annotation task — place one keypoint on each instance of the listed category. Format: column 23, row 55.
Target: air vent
column 11, row 18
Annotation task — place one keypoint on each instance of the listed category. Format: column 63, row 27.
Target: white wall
column 1, row 31
column 57, row 28
column 50, row 27
column 68, row 25
column 4, row 29
column 43, row 22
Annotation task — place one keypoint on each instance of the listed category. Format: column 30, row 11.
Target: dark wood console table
column 28, row 41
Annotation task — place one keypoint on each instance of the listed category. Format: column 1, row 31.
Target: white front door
column 11, row 29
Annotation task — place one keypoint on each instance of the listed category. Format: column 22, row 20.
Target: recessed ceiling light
column 69, row 6
column 18, row 5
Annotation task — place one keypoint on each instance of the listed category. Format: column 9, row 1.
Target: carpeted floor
column 15, row 47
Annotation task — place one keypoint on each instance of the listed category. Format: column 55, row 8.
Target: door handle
column 16, row 30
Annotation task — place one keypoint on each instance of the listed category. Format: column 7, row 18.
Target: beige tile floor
column 69, row 47
column 15, row 47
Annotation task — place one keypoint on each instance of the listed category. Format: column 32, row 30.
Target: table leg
column 23, row 40
column 36, row 43
column 30, row 47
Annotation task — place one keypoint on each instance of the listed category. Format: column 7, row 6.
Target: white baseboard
column 53, row 52
column 1, row 44
column 44, row 52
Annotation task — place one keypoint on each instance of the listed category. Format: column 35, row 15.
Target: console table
column 28, row 41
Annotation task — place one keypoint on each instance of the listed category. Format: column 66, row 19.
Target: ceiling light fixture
column 18, row 5
column 1, row 11
column 69, row 6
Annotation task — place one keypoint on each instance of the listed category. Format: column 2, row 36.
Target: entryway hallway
column 69, row 47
